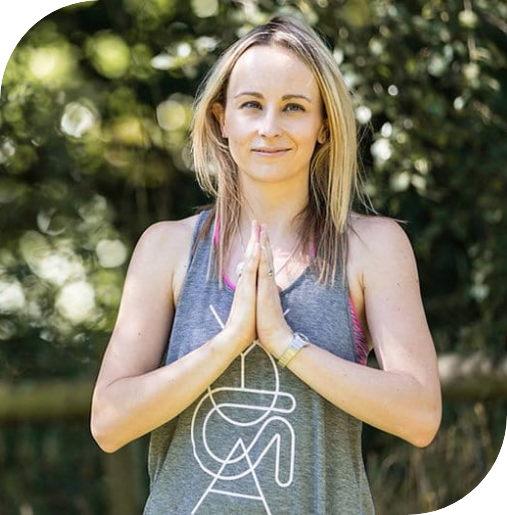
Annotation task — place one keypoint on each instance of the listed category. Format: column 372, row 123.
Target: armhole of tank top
column 195, row 233
column 360, row 343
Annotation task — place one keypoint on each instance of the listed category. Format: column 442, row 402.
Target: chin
column 277, row 178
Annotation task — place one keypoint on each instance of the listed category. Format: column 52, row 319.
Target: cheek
column 237, row 149
column 307, row 131
column 239, row 139
column 308, row 138
column 236, row 130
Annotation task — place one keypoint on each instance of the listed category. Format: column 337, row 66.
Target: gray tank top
column 259, row 440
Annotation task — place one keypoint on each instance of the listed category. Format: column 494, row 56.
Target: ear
column 219, row 113
column 323, row 135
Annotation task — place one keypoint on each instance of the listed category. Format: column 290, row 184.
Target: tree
column 94, row 114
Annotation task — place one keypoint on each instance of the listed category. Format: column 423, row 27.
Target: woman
column 271, row 301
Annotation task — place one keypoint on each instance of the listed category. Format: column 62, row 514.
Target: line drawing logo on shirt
column 255, row 419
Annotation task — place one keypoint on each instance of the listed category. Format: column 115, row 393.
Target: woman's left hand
column 273, row 332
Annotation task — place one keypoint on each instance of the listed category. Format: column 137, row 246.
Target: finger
column 250, row 252
column 254, row 237
column 250, row 267
column 244, row 303
column 266, row 266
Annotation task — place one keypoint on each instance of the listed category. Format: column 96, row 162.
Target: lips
column 270, row 150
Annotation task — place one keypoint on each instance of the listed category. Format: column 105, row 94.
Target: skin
column 271, row 124
column 272, row 127
column 133, row 395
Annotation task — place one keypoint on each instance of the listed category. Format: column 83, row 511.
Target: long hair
column 333, row 166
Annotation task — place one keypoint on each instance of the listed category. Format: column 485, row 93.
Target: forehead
column 272, row 69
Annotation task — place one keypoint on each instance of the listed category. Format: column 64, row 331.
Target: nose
column 269, row 124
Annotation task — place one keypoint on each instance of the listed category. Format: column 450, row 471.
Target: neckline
column 232, row 287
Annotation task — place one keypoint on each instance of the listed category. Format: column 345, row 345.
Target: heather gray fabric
column 258, row 441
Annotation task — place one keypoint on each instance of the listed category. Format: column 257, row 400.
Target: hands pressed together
column 256, row 311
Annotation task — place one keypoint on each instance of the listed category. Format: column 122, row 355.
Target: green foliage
column 94, row 114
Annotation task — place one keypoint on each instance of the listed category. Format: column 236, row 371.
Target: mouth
column 275, row 151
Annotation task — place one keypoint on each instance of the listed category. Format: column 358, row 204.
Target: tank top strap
column 197, row 247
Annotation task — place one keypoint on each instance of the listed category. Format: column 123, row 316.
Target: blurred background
column 94, row 113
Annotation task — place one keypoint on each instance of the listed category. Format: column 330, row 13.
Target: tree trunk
column 122, row 478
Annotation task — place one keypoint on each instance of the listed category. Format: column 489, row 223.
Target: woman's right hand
column 241, row 324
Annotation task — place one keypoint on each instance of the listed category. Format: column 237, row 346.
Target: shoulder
column 161, row 256
column 164, row 245
column 167, row 237
column 162, row 232
column 376, row 233
column 378, row 244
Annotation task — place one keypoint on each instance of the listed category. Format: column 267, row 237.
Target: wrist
column 299, row 342
column 234, row 341
column 278, row 342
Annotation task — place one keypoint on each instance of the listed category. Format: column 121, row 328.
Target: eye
column 251, row 104
column 294, row 107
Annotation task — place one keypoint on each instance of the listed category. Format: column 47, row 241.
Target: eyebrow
column 289, row 96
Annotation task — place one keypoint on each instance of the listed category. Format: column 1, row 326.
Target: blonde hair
column 333, row 167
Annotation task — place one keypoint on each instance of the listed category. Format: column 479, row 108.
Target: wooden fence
column 478, row 376
column 474, row 377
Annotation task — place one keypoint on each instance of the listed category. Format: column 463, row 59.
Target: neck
column 275, row 206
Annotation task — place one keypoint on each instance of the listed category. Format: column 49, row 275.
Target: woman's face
column 273, row 115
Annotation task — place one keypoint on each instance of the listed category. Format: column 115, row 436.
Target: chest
column 322, row 313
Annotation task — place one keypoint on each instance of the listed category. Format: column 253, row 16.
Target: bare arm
column 403, row 398
column 133, row 395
